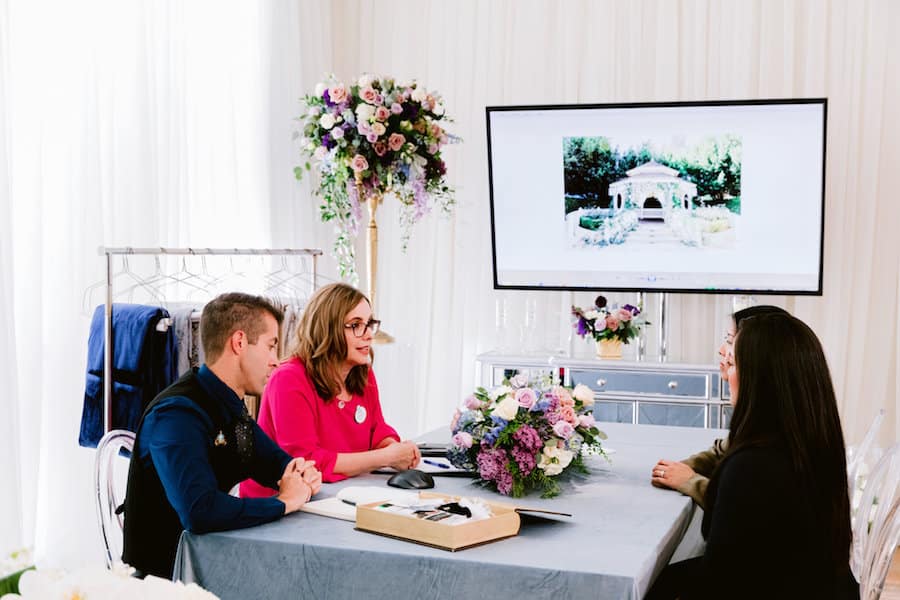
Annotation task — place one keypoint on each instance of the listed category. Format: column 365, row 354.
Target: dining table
column 622, row 532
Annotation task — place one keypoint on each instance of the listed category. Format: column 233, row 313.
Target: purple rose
column 462, row 440
column 526, row 397
column 473, row 403
column 563, row 429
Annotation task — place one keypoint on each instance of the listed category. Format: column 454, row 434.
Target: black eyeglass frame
column 371, row 324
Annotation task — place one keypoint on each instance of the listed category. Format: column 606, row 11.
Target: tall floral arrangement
column 524, row 434
column 374, row 137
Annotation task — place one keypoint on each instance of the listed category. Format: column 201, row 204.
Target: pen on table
column 434, row 463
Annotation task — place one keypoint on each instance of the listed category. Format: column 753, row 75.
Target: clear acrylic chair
column 108, row 450
column 876, row 531
column 856, row 464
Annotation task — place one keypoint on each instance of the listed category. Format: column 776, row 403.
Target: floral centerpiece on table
column 608, row 323
column 371, row 137
column 524, row 434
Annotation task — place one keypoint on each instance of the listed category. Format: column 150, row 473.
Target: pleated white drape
column 10, row 472
column 439, row 297
column 127, row 124
column 168, row 123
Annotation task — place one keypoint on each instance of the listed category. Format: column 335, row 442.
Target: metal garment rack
column 110, row 253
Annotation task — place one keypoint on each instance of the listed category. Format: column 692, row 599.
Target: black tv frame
column 544, row 107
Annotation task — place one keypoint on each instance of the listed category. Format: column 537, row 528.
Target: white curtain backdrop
column 168, row 123
column 11, row 499
column 127, row 124
column 438, row 296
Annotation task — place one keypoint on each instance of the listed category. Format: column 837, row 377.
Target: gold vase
column 609, row 349
column 382, row 337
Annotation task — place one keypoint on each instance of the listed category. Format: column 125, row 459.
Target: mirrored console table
column 684, row 395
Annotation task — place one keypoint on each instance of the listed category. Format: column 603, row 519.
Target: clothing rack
column 111, row 253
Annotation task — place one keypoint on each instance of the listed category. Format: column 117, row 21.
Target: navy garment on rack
column 144, row 364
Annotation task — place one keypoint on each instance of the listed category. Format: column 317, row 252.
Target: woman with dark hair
column 691, row 475
column 322, row 403
column 777, row 522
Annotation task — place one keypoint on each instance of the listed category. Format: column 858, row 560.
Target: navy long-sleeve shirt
column 176, row 441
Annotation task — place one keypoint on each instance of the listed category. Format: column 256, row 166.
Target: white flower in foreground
column 507, row 408
column 499, row 392
column 584, row 394
column 100, row 584
column 553, row 459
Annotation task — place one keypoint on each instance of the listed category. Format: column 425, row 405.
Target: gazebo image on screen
column 662, row 192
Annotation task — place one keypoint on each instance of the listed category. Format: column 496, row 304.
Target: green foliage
column 10, row 583
column 588, row 164
column 591, row 165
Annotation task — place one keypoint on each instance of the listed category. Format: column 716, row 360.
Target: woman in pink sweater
column 322, row 403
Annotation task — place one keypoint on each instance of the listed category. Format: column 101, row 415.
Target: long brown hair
column 786, row 400
column 322, row 344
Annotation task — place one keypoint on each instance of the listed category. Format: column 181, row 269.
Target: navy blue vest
column 152, row 527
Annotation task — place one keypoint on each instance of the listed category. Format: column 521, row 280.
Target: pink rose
column 372, row 137
column 565, row 397
column 381, row 113
column 337, row 93
column 624, row 315
column 462, row 440
column 563, row 429
column 526, row 397
column 363, row 128
column 586, row 421
column 432, row 148
column 612, row 323
column 396, row 107
column 396, row 141
column 472, row 403
column 368, row 94
column 567, row 413
column 359, row 163
column 380, row 148
column 436, row 130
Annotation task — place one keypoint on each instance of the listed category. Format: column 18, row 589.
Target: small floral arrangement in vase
column 609, row 327
column 524, row 434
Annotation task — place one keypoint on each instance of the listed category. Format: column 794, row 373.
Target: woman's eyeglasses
column 359, row 327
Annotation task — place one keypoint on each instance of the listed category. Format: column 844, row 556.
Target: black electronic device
column 412, row 479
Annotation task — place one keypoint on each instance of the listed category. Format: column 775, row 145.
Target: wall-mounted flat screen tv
column 720, row 197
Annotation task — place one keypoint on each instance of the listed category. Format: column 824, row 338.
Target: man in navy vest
column 196, row 441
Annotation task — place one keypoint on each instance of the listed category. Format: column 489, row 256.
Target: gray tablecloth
column 623, row 533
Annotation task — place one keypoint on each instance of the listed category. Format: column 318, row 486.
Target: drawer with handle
column 643, row 382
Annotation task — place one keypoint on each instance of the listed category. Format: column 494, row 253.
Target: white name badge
column 360, row 415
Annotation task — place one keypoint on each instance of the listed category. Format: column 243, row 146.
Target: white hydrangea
column 101, row 584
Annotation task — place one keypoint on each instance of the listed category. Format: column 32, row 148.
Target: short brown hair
column 231, row 312
column 322, row 344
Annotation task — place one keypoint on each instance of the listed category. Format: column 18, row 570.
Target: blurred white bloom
column 100, row 584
